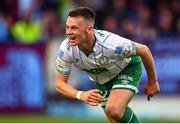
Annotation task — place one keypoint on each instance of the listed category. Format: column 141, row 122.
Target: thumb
column 149, row 96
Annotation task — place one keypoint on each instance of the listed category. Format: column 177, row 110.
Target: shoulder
column 65, row 45
column 65, row 49
column 102, row 34
column 110, row 39
column 106, row 36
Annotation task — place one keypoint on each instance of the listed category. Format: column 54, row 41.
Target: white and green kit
column 112, row 64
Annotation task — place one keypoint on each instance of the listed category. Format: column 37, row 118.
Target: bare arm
column 63, row 87
column 91, row 97
column 152, row 86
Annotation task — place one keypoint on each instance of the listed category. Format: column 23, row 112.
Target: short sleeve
column 63, row 63
column 125, row 47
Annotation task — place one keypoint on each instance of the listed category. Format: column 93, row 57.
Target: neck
column 88, row 45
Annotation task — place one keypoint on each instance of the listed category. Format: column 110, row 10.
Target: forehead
column 74, row 20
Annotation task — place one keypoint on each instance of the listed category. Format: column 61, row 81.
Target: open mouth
column 72, row 38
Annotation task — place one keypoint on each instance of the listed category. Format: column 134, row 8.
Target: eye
column 74, row 27
column 67, row 27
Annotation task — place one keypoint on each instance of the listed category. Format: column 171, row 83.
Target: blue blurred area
column 22, row 78
column 167, row 58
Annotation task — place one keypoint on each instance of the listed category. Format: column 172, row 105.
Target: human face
column 76, row 30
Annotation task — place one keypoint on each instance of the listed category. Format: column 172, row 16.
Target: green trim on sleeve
column 133, row 48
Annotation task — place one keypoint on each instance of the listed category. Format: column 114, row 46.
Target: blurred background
column 31, row 32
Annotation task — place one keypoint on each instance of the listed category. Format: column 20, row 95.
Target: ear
column 90, row 29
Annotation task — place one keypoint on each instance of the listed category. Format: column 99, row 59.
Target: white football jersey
column 111, row 54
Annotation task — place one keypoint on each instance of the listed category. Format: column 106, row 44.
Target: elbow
column 142, row 50
column 58, row 86
column 145, row 49
column 60, row 81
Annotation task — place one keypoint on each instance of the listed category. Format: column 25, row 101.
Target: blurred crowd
column 33, row 21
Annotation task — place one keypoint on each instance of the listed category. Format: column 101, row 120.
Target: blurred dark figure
column 128, row 27
column 26, row 30
column 165, row 20
column 8, row 15
column 175, row 5
column 119, row 9
column 51, row 27
column 144, row 31
column 111, row 24
column 5, row 23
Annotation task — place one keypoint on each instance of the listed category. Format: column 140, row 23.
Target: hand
column 151, row 88
column 91, row 97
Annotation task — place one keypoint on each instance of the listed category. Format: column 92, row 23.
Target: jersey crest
column 103, row 60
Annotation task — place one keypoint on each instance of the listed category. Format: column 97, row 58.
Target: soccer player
column 111, row 61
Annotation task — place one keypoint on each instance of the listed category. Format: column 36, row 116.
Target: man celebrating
column 111, row 61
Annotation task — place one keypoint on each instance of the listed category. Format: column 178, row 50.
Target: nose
column 68, row 31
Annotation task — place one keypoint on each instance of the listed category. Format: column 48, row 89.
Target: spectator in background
column 128, row 28
column 119, row 9
column 111, row 24
column 4, row 33
column 51, row 27
column 175, row 6
column 27, row 31
column 144, row 30
column 8, row 15
column 165, row 20
column 178, row 26
column 65, row 6
column 24, row 7
column 137, row 12
column 9, row 7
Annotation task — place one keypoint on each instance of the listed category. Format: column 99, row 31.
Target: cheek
column 81, row 35
column 80, row 38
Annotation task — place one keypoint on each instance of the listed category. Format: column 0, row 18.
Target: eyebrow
column 72, row 27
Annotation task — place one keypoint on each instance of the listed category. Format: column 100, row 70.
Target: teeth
column 72, row 38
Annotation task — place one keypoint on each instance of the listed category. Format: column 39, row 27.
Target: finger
column 97, row 95
column 93, row 104
column 100, row 97
column 95, row 90
column 149, row 96
column 93, row 97
column 94, row 100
